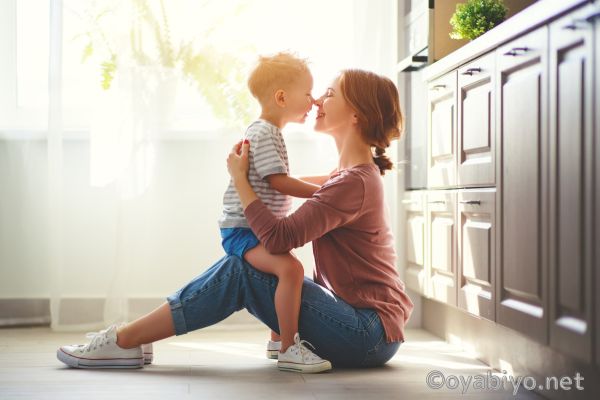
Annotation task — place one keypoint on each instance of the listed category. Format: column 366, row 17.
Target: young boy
column 282, row 84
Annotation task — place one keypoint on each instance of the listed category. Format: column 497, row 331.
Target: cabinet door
column 571, row 184
column 415, row 133
column 522, row 276
column 441, row 155
column 441, row 224
column 476, row 129
column 595, row 18
column 416, row 275
column 476, row 251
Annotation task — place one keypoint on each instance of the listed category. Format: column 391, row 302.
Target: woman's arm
column 335, row 204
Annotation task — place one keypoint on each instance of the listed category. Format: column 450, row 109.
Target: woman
column 355, row 310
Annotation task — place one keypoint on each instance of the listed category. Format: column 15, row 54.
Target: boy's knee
column 298, row 271
column 294, row 270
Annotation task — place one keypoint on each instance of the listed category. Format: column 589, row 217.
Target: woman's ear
column 280, row 97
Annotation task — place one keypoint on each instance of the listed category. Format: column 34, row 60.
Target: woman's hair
column 375, row 100
column 275, row 72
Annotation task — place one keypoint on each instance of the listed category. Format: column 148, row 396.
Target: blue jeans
column 340, row 333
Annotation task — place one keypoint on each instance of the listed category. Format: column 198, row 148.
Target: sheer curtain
column 110, row 197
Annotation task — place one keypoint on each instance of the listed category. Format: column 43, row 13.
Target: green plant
column 475, row 17
column 146, row 40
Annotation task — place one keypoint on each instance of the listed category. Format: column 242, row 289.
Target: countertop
column 530, row 18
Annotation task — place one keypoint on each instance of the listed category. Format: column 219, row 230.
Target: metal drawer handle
column 409, row 201
column 437, row 202
column 438, row 87
column 472, row 71
column 574, row 25
column 591, row 18
column 471, row 202
column 516, row 51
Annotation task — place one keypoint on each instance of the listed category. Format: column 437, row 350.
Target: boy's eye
column 329, row 93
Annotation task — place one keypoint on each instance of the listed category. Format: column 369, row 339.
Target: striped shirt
column 267, row 156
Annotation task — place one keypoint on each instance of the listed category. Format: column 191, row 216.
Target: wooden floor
column 229, row 364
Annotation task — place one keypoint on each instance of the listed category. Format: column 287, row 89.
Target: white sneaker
column 273, row 348
column 298, row 358
column 148, row 352
column 101, row 352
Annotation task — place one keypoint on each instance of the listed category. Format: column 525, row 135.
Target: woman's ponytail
column 382, row 160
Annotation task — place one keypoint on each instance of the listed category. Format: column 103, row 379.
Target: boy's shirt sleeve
column 263, row 152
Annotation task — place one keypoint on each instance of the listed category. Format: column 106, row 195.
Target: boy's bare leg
column 275, row 336
column 290, row 273
column 156, row 325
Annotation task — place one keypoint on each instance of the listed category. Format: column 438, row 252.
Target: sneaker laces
column 305, row 353
column 96, row 339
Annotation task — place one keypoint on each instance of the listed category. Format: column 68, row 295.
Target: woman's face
column 333, row 112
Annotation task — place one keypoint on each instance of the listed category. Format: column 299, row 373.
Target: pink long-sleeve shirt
column 352, row 243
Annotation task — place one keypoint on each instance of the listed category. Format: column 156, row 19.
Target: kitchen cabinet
column 476, row 251
column 441, row 155
column 415, row 276
column 476, row 130
column 513, row 181
column 522, row 126
column 571, row 184
column 595, row 18
column 441, row 249
column 415, row 132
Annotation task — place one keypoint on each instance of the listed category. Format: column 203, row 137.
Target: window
column 232, row 31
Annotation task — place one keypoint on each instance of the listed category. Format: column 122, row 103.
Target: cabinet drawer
column 441, row 232
column 441, row 154
column 415, row 245
column 476, row 129
column 476, row 251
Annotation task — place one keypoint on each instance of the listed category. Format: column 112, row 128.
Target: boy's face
column 299, row 99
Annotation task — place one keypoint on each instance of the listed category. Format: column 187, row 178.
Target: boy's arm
column 291, row 186
column 315, row 180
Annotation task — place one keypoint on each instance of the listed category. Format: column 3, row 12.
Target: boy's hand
column 237, row 162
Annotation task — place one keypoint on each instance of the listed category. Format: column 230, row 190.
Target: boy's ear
column 280, row 97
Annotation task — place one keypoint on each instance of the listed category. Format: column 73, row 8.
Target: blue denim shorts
column 237, row 241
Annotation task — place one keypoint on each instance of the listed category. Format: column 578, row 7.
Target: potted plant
column 475, row 17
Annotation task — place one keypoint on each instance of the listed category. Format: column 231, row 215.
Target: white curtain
column 107, row 217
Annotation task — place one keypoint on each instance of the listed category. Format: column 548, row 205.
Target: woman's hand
column 238, row 165
column 237, row 162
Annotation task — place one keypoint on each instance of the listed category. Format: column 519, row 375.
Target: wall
column 169, row 234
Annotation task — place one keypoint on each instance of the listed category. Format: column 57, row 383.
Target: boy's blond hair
column 275, row 72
